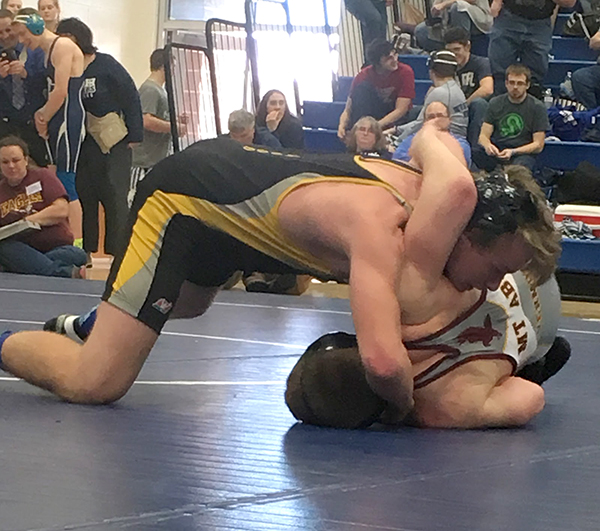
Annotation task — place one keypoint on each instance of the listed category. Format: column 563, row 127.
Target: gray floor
column 204, row 440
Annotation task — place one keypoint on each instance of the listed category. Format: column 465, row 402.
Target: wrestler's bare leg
column 479, row 394
column 100, row 371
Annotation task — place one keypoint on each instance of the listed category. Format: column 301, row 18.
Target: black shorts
column 146, row 278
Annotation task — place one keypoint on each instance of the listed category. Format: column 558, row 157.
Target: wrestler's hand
column 41, row 124
column 428, row 133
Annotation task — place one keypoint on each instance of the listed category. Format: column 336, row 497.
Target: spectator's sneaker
column 64, row 325
column 89, row 261
column 79, row 272
column 554, row 360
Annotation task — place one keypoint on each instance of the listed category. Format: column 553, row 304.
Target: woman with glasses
column 366, row 137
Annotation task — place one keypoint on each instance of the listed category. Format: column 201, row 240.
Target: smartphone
column 8, row 54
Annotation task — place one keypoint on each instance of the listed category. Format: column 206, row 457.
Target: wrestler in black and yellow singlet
column 211, row 210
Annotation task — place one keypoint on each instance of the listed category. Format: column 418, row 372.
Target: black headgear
column 501, row 206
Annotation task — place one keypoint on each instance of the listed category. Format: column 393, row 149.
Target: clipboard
column 18, row 227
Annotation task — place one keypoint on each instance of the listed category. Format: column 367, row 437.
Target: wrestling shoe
column 553, row 361
column 65, row 325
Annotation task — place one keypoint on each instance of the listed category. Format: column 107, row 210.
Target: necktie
column 18, row 92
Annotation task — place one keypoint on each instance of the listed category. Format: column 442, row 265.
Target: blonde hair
column 380, row 140
column 540, row 233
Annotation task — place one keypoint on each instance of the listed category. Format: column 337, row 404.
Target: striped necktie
column 18, row 92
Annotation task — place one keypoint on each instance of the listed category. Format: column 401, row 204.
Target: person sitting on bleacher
column 366, row 137
column 475, row 77
column 473, row 16
column 35, row 195
column 442, row 71
column 438, row 114
column 515, row 125
column 242, row 127
column 273, row 114
column 586, row 81
column 383, row 90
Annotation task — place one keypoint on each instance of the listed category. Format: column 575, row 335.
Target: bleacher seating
column 568, row 54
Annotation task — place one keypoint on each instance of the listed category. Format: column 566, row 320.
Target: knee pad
column 328, row 386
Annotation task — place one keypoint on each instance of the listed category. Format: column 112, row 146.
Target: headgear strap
column 501, row 207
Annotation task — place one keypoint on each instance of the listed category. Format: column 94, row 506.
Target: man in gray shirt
column 157, row 125
column 442, row 71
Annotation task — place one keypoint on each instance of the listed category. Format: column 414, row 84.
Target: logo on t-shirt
column 89, row 87
column 467, row 79
column 386, row 93
column 21, row 204
column 511, row 125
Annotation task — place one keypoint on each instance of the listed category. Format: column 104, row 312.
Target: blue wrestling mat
column 204, row 441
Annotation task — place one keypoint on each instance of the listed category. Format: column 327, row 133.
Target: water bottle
column 548, row 98
column 566, row 87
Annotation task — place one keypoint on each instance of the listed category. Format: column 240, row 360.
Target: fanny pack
column 107, row 130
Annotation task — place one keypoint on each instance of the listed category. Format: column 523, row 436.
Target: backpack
column 580, row 186
column 585, row 22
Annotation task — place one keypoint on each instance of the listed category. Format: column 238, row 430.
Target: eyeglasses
column 513, row 83
column 435, row 115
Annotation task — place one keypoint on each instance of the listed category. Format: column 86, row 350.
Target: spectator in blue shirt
column 437, row 113
column 22, row 84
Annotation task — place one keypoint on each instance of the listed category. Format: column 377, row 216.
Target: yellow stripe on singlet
column 252, row 226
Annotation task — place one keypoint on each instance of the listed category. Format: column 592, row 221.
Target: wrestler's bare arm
column 480, row 394
column 446, row 202
column 375, row 258
column 64, row 56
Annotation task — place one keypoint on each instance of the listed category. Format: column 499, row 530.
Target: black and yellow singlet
column 234, row 190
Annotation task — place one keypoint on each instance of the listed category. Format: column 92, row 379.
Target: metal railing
column 205, row 85
column 189, row 80
column 232, row 76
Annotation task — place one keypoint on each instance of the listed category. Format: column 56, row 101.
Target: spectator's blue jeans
column 372, row 15
column 477, row 110
column 586, row 85
column 456, row 19
column 18, row 257
column 485, row 162
column 516, row 39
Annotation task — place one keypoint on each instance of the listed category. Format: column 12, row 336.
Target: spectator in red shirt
column 383, row 90
column 38, row 196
